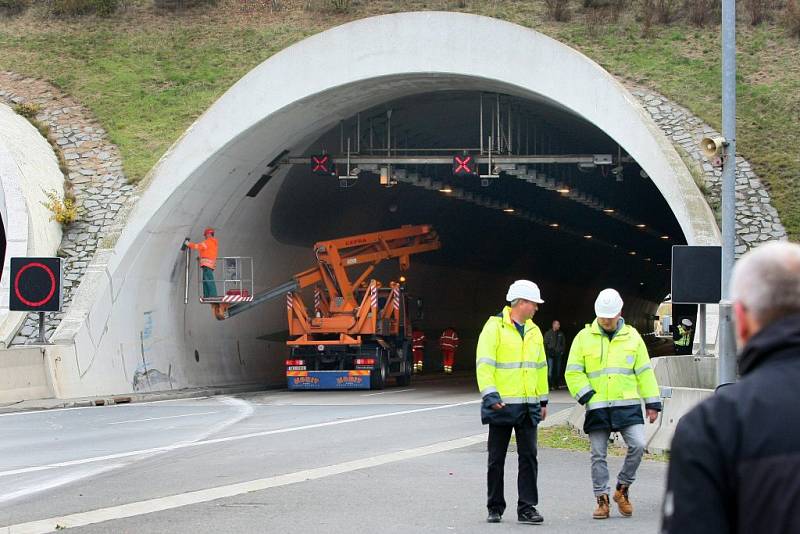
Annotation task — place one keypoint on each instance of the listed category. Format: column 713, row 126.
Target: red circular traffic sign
column 18, row 292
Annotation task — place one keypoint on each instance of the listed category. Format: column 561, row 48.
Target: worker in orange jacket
column 448, row 343
column 418, row 347
column 207, row 249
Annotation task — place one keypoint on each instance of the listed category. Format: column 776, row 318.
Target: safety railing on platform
column 231, row 281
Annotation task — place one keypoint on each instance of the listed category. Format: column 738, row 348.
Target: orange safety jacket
column 207, row 249
column 418, row 340
column 449, row 339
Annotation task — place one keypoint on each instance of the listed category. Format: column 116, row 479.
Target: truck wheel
column 380, row 374
column 404, row 378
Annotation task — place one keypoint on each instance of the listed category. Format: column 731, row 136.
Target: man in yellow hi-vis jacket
column 511, row 367
column 609, row 372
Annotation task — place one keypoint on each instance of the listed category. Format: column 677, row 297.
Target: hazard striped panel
column 236, row 298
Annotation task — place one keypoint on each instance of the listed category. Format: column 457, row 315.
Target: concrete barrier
column 686, row 371
column 659, row 435
column 24, row 375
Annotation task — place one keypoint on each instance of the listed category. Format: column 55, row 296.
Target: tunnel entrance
column 560, row 203
column 573, row 230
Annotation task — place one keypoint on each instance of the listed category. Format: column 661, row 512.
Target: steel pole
column 727, row 351
column 186, row 281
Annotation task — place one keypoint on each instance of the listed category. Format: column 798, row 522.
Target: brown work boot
column 621, row 498
column 602, row 511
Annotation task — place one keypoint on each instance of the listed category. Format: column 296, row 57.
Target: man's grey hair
column 766, row 281
column 514, row 302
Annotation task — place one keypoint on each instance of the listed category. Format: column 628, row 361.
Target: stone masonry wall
column 757, row 220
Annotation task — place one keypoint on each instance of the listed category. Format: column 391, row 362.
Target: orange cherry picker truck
column 357, row 334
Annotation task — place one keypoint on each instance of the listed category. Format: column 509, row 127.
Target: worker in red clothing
column 207, row 249
column 418, row 347
column 448, row 343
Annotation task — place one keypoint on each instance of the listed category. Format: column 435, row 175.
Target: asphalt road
column 401, row 460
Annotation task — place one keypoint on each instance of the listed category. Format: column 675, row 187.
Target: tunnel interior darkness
column 610, row 229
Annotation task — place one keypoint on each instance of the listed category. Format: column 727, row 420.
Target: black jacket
column 512, row 414
column 616, row 418
column 735, row 463
column 555, row 343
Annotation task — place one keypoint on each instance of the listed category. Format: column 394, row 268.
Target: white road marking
column 159, row 418
column 243, row 410
column 197, row 443
column 388, row 392
column 54, row 482
column 196, row 497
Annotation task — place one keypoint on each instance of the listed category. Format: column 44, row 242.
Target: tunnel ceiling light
column 664, row 237
column 648, row 259
column 641, row 226
column 632, row 253
column 563, row 190
column 486, row 202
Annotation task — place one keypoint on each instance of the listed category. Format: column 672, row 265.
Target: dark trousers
column 499, row 436
column 554, row 374
column 209, row 285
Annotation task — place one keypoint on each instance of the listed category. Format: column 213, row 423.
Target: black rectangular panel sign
column 696, row 274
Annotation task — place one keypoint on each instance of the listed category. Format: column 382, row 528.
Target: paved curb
column 129, row 398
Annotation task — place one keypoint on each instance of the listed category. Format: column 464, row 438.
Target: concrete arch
column 130, row 307
column 28, row 168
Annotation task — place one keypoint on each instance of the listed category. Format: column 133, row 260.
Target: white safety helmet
column 687, row 322
column 608, row 304
column 524, row 289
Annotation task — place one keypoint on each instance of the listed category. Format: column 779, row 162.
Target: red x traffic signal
column 464, row 166
column 323, row 165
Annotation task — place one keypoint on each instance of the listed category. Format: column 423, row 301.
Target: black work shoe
column 494, row 517
column 532, row 517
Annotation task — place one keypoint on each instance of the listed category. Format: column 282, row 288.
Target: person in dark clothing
column 735, row 459
column 555, row 345
column 511, row 370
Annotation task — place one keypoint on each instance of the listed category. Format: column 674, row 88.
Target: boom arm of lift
column 336, row 256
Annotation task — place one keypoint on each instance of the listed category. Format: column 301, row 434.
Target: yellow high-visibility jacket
column 511, row 368
column 685, row 338
column 611, row 375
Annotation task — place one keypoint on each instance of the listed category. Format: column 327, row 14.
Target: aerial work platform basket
column 233, row 276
